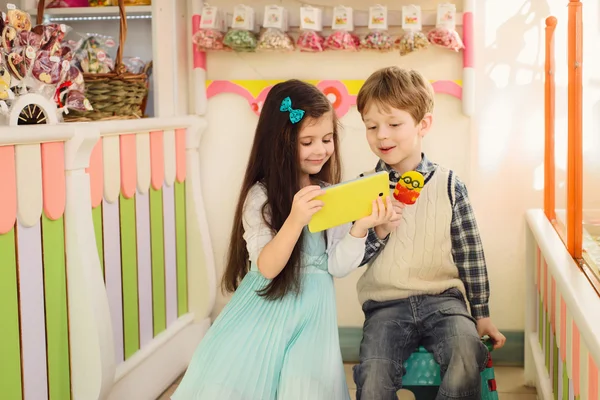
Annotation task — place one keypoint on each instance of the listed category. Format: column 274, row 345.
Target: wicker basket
column 115, row 95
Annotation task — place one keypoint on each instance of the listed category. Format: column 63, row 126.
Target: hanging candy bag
column 209, row 36
column 240, row 37
column 342, row 37
column 413, row 38
column 274, row 37
column 311, row 24
column 378, row 38
column 444, row 34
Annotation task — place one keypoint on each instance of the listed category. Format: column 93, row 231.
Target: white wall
column 498, row 153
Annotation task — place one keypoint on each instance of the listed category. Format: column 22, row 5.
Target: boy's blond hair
column 394, row 87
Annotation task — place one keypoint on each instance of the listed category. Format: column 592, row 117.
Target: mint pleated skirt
column 258, row 349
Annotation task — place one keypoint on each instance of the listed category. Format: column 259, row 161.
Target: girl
column 277, row 338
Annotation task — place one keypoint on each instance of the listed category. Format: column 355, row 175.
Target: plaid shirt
column 467, row 249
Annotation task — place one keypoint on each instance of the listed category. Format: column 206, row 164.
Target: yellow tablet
column 349, row 201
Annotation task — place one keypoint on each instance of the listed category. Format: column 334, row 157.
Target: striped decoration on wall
column 572, row 370
column 34, row 338
column 138, row 207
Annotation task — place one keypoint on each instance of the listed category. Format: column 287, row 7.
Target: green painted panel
column 57, row 322
column 97, row 218
column 182, row 294
column 555, row 372
column 10, row 346
column 131, row 318
column 565, row 378
column 541, row 323
column 547, row 349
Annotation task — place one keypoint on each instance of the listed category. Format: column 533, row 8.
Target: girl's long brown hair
column 274, row 163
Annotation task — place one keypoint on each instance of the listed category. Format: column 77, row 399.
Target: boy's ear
column 425, row 124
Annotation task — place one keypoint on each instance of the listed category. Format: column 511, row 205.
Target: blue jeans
column 394, row 329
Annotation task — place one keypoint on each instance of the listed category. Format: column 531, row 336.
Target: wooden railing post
column 575, row 148
column 549, row 107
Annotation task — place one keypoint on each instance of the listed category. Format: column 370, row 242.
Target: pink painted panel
column 545, row 283
column 563, row 329
column 539, row 270
column 8, row 188
column 576, row 356
column 199, row 56
column 53, row 179
column 180, row 137
column 553, row 305
column 593, row 378
column 96, row 172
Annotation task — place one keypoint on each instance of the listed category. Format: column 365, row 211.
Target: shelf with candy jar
column 88, row 8
column 102, row 23
column 405, row 41
column 39, row 80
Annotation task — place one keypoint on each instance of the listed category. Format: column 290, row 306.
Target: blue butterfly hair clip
column 295, row 115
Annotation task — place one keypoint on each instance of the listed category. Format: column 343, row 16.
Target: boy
column 423, row 265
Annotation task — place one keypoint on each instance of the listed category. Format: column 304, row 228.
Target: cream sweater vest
column 417, row 258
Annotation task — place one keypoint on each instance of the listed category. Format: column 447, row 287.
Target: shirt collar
column 425, row 167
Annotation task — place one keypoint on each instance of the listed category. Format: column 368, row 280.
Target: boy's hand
column 386, row 228
column 380, row 215
column 485, row 326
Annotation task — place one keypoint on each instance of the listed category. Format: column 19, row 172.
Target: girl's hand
column 304, row 205
column 386, row 228
column 381, row 214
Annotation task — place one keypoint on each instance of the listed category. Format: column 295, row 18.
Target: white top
column 345, row 252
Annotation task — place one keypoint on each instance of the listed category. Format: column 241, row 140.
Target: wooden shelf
column 93, row 11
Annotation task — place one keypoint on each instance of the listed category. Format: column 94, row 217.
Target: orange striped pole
column 575, row 147
column 549, row 113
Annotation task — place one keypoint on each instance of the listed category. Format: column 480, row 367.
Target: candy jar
column 208, row 39
column 411, row 41
column 377, row 40
column 240, row 40
column 272, row 39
